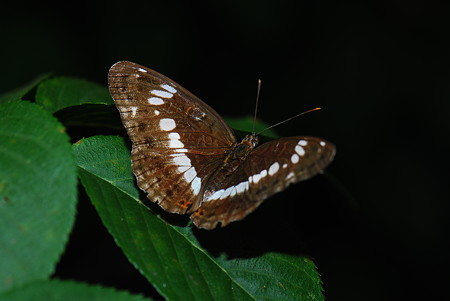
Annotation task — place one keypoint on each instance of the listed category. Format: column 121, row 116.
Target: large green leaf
column 276, row 276
column 169, row 256
column 174, row 265
column 37, row 193
column 67, row 291
column 62, row 92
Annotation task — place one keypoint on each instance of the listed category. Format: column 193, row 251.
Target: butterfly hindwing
column 226, row 199
column 281, row 162
column 268, row 169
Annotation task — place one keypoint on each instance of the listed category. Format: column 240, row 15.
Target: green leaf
column 275, row 276
column 37, row 193
column 67, row 291
column 177, row 268
column 245, row 125
column 19, row 93
column 62, row 92
column 169, row 256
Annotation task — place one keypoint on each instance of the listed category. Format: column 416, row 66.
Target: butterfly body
column 187, row 159
column 239, row 153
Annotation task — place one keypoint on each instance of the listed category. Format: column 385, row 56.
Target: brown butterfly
column 187, row 159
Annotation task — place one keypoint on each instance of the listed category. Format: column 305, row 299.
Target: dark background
column 376, row 223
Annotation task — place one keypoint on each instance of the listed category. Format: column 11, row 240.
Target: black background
column 376, row 223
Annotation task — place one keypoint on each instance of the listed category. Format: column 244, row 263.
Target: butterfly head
column 245, row 147
column 251, row 140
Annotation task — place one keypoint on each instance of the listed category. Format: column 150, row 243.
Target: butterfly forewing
column 178, row 140
column 268, row 169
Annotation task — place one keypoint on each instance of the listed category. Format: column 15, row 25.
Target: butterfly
column 187, row 159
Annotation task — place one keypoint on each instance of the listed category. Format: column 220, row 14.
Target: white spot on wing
column 174, row 141
column 185, row 166
column 256, row 178
column 230, row 191
column 299, row 150
column 162, row 94
column 322, row 143
column 167, row 124
column 169, row 88
column 241, row 187
column 202, row 115
column 290, row 175
column 174, row 136
column 295, row 158
column 175, row 144
column 196, row 185
column 303, row 142
column 274, row 168
column 182, row 169
column 155, row 101
column 226, row 193
column 233, row 191
column 216, row 195
column 133, row 111
column 190, row 175
column 182, row 160
column 156, row 112
column 285, row 165
column 142, row 70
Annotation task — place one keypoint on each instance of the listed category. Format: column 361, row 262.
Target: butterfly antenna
column 286, row 120
column 256, row 105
